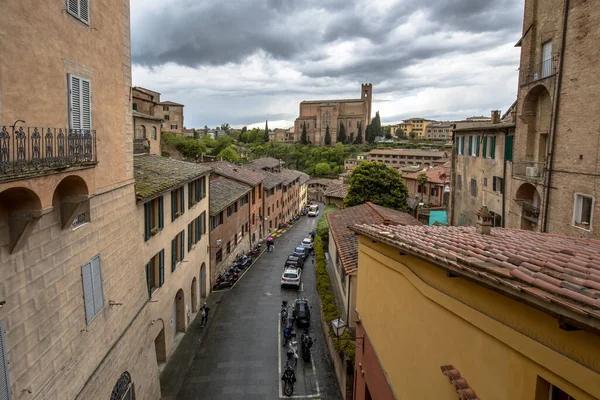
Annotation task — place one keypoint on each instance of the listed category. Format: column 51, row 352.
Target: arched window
column 326, row 118
column 143, row 129
column 123, row 389
column 153, row 133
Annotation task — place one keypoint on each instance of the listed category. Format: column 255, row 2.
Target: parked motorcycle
column 288, row 378
column 288, row 333
column 306, row 343
column 292, row 354
column 284, row 313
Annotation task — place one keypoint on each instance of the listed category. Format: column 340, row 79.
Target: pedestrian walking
column 204, row 313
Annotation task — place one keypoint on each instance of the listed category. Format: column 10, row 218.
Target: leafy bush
column 323, row 224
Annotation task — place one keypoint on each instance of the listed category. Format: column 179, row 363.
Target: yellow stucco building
column 506, row 315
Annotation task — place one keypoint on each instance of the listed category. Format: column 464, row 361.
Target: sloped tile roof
column 289, row 175
column 434, row 175
column 558, row 270
column 323, row 181
column 137, row 114
column 223, row 192
column 346, row 241
column 156, row 174
column 265, row 162
column 238, row 173
column 304, row 178
column 270, row 179
column 171, row 103
column 337, row 191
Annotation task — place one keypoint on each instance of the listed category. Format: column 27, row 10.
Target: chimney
column 495, row 116
column 484, row 221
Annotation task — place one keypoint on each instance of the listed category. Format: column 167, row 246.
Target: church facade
column 317, row 115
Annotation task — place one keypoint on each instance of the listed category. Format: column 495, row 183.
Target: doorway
column 203, row 281
column 179, row 311
column 194, row 292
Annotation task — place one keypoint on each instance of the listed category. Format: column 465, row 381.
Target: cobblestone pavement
column 238, row 355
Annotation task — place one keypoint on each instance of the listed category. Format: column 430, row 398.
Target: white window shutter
column 97, row 284
column 84, row 10
column 74, row 102
column 86, row 104
column 88, row 291
column 73, row 7
column 4, row 382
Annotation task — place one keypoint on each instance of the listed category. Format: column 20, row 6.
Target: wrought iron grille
column 539, row 71
column 28, row 149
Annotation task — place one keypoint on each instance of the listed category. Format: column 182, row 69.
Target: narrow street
column 240, row 355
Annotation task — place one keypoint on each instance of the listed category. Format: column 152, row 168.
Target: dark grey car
column 301, row 252
column 294, row 261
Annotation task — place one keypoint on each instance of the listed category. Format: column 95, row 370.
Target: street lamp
column 339, row 327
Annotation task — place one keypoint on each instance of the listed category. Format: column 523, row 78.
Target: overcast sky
column 243, row 61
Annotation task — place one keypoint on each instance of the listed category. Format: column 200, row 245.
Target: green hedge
column 323, row 224
column 330, row 312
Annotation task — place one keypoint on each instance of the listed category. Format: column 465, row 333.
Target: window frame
column 94, row 286
column 155, row 272
column 71, row 105
column 578, row 208
column 177, row 203
column 77, row 14
column 153, row 217
column 473, row 187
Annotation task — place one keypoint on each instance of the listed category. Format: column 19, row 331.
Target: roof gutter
column 555, row 116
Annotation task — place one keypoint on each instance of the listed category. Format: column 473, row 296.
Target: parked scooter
column 292, row 354
column 306, row 343
column 288, row 378
column 284, row 313
column 288, row 334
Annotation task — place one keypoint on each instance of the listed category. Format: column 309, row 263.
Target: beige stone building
column 352, row 163
column 146, row 130
column 399, row 158
column 439, row 130
column 317, row 115
column 418, row 125
column 556, row 152
column 74, row 321
column 172, row 201
column 482, row 167
column 147, row 103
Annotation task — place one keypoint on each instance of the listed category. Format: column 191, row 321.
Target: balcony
column 38, row 150
column 539, row 71
column 530, row 213
column 529, row 170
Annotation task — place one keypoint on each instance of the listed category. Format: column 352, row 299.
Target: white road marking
column 279, row 355
column 302, row 287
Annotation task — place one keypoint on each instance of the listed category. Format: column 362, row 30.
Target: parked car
column 301, row 312
column 313, row 213
column 307, row 242
column 294, row 261
column 301, row 251
column 291, row 277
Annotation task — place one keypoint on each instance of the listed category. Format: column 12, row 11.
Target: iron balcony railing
column 539, row 71
column 31, row 149
column 530, row 170
column 530, row 213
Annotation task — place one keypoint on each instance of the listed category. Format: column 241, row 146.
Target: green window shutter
column 470, row 145
column 173, row 254
column 494, row 185
column 181, row 243
column 484, row 150
column 189, row 195
column 493, row 147
column 173, row 205
column 181, row 200
column 204, row 223
column 197, row 227
column 149, row 277
column 508, row 148
column 197, row 187
column 203, row 187
column 477, row 146
column 190, row 225
column 161, row 267
column 161, row 212
column 147, row 220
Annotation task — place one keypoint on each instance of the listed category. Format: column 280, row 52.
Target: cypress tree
column 303, row 139
column 342, row 134
column 327, row 136
column 266, row 131
column 359, row 138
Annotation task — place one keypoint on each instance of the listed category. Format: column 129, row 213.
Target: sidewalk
column 180, row 361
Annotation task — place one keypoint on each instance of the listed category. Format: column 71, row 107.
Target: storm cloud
column 238, row 60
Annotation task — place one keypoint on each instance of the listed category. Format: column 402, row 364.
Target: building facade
column 430, row 295
column 172, row 115
column 399, row 158
column 418, row 125
column 229, row 223
column 147, row 103
column 303, row 191
column 482, row 167
column 146, row 130
column 431, row 185
column 317, row 115
column 555, row 152
column 439, row 130
column 172, row 202
column 75, row 318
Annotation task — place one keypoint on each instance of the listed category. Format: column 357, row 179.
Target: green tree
column 342, row 134
column 379, row 184
column 359, row 137
column 387, row 131
column 206, row 129
column 399, row 132
column 266, row 134
column 374, row 129
column 196, row 134
column 221, row 143
column 229, row 154
column 413, row 134
column 303, row 138
column 322, row 168
column 351, row 140
column 226, row 128
column 327, row 137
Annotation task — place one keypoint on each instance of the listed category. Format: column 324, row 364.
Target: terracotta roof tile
column 545, row 265
column 465, row 392
column 337, row 191
column 266, row 162
column 434, row 175
column 238, row 173
column 346, row 241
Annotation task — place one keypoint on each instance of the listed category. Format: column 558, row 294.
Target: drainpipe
column 555, row 115
column 349, row 295
column 504, row 191
column 453, row 175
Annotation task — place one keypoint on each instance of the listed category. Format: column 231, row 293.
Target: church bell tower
column 366, row 95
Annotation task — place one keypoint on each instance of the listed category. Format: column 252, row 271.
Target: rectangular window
column 547, row 391
column 231, row 210
column 235, row 238
column 546, row 59
column 498, row 185
column 177, row 249
column 462, row 145
column 80, row 103
column 476, row 146
column 173, row 126
column 219, row 256
column 583, row 211
column 93, row 293
column 80, row 9
column 134, row 106
column 177, row 203
column 153, row 217
column 229, row 247
column 484, row 182
column 484, row 147
column 508, row 148
column 155, row 272
column 253, row 196
column 492, row 147
column 458, row 182
column 473, row 187
column 244, row 200
column 4, row 381
column 216, row 221
column 165, row 108
column 166, row 118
